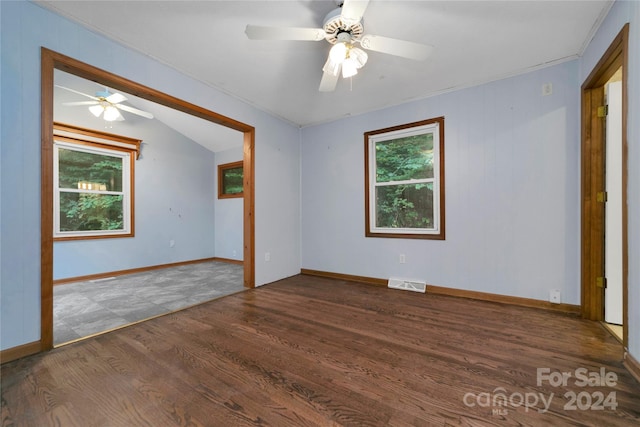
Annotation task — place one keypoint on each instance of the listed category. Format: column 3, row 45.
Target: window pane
column 232, row 181
column 83, row 212
column 89, row 171
column 404, row 206
column 404, row 158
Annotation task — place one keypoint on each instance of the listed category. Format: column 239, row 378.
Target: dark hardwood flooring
column 310, row 351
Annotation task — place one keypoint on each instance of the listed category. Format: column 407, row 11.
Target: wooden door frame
column 593, row 181
column 52, row 60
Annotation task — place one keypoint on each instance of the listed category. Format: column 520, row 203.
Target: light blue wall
column 229, row 214
column 25, row 28
column 621, row 13
column 174, row 200
column 512, row 191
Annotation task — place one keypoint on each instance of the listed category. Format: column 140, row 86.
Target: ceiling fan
column 107, row 103
column 343, row 28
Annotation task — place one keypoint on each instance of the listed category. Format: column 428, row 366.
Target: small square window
column 230, row 180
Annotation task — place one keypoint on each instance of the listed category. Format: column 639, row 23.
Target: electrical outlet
column 547, row 89
column 554, row 296
column 267, row 256
column 403, row 259
column 172, row 243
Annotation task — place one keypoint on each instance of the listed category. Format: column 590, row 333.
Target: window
column 404, row 181
column 230, row 180
column 93, row 184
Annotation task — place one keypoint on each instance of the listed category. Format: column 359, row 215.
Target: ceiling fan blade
column 116, row 98
column 134, row 110
column 352, row 10
column 97, row 110
column 328, row 82
column 257, row 32
column 72, row 104
column 79, row 93
column 396, row 47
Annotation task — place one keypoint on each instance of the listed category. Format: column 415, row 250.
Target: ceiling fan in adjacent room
column 343, row 28
column 106, row 104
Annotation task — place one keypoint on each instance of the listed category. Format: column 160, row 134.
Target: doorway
column 52, row 60
column 604, row 240
column 613, row 206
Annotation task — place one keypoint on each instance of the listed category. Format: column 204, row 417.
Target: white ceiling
column 475, row 42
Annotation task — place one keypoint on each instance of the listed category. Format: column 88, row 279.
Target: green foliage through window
column 92, row 190
column 403, row 194
column 84, row 212
column 232, row 182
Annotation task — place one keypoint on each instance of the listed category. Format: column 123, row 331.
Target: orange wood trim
column 20, row 351
column 89, row 72
column 46, row 201
column 592, row 175
column 625, row 187
column 347, row 277
column 592, row 247
column 51, row 60
column 221, row 169
column 229, row 260
column 78, row 130
column 505, row 299
column 248, row 172
column 131, row 271
column 460, row 293
column 367, row 221
column 107, row 236
column 632, row 365
column 93, row 144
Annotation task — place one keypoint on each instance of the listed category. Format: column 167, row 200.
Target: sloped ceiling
column 474, row 41
column 210, row 135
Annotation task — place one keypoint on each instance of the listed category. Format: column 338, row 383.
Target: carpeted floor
column 82, row 309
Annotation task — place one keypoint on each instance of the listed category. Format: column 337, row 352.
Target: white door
column 613, row 212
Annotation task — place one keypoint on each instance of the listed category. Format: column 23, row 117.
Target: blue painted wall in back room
column 229, row 214
column 174, row 201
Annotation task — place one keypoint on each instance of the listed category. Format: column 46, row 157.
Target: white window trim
column 125, row 156
column 433, row 127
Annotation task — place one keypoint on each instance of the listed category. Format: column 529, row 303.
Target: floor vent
column 408, row 285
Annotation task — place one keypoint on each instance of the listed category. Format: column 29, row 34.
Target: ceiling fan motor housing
column 104, row 94
column 334, row 25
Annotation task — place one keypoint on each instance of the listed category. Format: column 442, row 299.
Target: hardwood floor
column 310, row 351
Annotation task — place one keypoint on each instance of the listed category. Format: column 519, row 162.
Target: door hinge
column 603, row 110
column 601, row 282
column 601, row 197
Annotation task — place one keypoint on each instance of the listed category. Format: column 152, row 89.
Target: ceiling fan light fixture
column 359, row 56
column 96, row 110
column 332, row 67
column 338, row 52
column 349, row 68
column 111, row 113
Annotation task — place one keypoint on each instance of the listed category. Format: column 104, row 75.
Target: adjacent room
column 110, row 270
column 319, row 212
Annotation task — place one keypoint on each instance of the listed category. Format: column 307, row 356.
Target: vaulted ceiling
column 474, row 42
